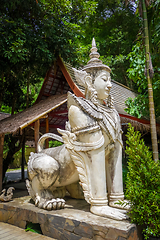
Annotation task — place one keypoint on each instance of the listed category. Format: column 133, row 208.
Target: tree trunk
column 12, row 150
column 1, row 90
column 1, row 160
column 28, row 85
column 13, row 103
column 150, row 90
column 27, row 101
column 23, row 156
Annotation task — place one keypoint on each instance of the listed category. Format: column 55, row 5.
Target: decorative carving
column 91, row 153
column 7, row 196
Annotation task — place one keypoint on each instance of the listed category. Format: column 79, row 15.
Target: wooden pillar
column 23, row 156
column 47, row 131
column 36, row 134
column 1, row 159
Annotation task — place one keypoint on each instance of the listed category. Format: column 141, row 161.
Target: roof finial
column 95, row 62
column 93, row 43
column 94, row 54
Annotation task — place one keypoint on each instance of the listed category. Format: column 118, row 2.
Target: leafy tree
column 112, row 26
column 140, row 105
column 33, row 34
column 11, row 146
column 21, row 31
column 149, row 72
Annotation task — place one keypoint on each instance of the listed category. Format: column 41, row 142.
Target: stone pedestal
column 75, row 222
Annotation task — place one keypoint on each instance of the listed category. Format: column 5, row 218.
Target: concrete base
column 75, row 222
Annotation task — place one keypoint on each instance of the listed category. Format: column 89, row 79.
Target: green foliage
column 33, row 227
column 17, row 159
column 12, row 152
column 33, row 34
column 143, row 185
column 54, row 144
column 112, row 26
column 140, row 105
column 137, row 107
column 137, row 64
column 124, row 171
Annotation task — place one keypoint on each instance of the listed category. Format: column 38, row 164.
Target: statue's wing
column 79, row 162
column 78, row 158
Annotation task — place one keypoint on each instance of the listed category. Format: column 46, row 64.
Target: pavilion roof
column 17, row 122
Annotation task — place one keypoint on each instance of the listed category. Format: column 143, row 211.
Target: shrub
column 54, row 144
column 143, row 185
column 33, row 227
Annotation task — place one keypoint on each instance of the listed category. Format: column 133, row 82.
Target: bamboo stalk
column 150, row 89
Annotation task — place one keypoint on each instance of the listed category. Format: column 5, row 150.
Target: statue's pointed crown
column 95, row 63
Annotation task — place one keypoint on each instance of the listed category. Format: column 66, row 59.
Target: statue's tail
column 44, row 137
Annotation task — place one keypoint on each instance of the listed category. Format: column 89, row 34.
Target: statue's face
column 102, row 84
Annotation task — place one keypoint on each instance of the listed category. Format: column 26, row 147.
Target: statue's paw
column 37, row 200
column 52, row 204
column 121, row 204
column 109, row 212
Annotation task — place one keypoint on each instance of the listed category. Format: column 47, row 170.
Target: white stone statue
column 91, row 153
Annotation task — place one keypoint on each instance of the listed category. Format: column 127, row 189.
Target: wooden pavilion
column 50, row 109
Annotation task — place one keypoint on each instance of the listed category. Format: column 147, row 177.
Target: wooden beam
column 36, row 134
column 47, row 131
column 23, row 156
column 43, row 117
column 67, row 76
column 1, row 159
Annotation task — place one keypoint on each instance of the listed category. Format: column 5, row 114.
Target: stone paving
column 10, row 232
column 15, row 175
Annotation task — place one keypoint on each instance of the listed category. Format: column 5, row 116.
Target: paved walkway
column 10, row 232
column 15, row 175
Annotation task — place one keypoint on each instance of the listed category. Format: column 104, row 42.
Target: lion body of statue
column 89, row 163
